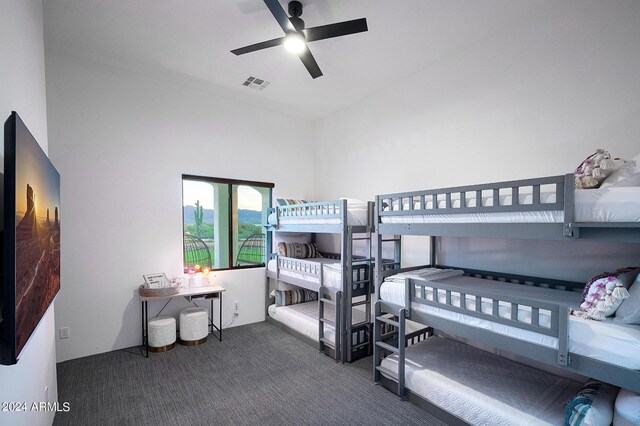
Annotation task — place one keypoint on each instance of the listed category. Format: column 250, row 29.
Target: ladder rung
column 389, row 335
column 360, row 238
column 387, row 347
column 328, row 321
column 388, row 321
column 328, row 342
column 390, row 239
column 362, row 302
column 361, row 282
column 361, row 345
column 329, row 301
column 358, row 324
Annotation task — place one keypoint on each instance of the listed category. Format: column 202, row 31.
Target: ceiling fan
column 297, row 36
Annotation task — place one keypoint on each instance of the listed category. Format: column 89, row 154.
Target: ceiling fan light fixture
column 295, row 43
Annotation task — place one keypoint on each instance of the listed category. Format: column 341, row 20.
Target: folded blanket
column 430, row 274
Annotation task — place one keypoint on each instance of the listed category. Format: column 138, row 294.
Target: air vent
column 256, row 83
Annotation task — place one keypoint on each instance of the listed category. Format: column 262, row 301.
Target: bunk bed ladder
column 323, row 342
column 384, row 342
column 358, row 337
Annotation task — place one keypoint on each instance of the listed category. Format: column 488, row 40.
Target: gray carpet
column 258, row 375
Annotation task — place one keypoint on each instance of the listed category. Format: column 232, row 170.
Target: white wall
column 22, row 88
column 530, row 102
column 121, row 142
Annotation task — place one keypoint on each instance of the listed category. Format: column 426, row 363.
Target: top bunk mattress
column 356, row 216
column 482, row 388
column 611, row 204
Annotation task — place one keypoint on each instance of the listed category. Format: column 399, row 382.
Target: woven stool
column 162, row 334
column 194, row 326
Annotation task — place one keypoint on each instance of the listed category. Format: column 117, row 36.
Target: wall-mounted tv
column 30, row 238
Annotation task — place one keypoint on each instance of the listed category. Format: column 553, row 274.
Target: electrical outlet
column 64, row 332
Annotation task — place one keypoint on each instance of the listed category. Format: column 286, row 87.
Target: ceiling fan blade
column 258, row 46
column 310, row 62
column 336, row 30
column 281, row 16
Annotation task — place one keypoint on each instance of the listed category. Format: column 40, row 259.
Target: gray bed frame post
column 321, row 313
column 377, row 335
column 433, row 251
column 402, row 315
column 569, row 207
column 347, row 277
column 378, row 254
column 340, row 351
column 563, row 335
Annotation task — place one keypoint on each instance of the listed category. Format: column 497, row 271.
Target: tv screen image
column 32, row 233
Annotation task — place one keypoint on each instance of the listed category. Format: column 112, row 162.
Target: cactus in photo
column 198, row 215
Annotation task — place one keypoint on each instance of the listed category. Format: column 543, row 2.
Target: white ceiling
column 189, row 41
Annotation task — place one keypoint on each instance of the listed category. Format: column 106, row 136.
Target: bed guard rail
column 474, row 302
column 484, row 198
column 317, row 210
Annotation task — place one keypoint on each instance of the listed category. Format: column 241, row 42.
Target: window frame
column 230, row 183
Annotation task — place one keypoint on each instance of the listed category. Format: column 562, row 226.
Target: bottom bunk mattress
column 303, row 318
column 606, row 341
column 482, row 388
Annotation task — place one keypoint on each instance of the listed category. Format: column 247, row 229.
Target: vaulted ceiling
column 190, row 42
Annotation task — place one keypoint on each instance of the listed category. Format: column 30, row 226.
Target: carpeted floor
column 258, row 375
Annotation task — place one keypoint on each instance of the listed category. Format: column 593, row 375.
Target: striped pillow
column 289, row 201
column 291, row 297
column 298, row 250
column 592, row 405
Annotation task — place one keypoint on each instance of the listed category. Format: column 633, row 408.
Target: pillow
column 604, row 293
column 292, row 297
column 627, row 409
column 288, row 237
column 289, row 201
column 629, row 310
column 298, row 251
column 591, row 405
column 628, row 175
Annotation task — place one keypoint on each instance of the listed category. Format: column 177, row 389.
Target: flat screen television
column 30, row 238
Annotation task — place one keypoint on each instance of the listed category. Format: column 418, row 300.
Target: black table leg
column 146, row 325
column 220, row 335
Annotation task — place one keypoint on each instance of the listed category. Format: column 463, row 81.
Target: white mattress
column 607, row 341
column 482, row 388
column 356, row 216
column 303, row 317
column 612, row 204
column 331, row 274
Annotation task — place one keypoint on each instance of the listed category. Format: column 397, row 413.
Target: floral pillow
column 604, row 293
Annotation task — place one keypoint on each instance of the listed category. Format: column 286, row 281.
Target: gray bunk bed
column 341, row 290
column 494, row 308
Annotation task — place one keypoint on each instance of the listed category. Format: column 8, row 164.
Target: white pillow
column 627, row 409
column 352, row 202
column 629, row 175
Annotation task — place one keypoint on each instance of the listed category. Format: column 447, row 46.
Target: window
column 222, row 223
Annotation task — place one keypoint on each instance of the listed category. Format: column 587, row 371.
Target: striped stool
column 162, row 334
column 194, row 326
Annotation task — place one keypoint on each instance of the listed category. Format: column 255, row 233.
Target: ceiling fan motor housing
column 295, row 11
